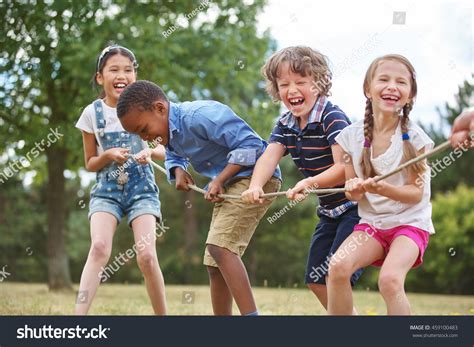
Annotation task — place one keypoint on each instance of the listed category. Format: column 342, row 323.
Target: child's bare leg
column 103, row 227
column 235, row 275
column 220, row 293
column 401, row 257
column 367, row 251
column 144, row 234
column 321, row 292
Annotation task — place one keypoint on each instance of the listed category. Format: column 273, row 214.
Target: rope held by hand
column 415, row 160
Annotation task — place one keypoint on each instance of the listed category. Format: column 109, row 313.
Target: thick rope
column 434, row 151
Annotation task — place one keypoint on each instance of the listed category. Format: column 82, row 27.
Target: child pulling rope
column 417, row 159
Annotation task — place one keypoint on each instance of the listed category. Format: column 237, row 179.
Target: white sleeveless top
column 380, row 211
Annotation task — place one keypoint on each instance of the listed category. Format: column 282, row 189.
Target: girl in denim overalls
column 125, row 184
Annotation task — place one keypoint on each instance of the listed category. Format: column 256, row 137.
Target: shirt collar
column 173, row 115
column 314, row 117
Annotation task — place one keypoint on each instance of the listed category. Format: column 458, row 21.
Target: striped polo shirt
column 310, row 148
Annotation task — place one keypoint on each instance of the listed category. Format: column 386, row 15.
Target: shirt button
column 298, row 139
column 209, row 163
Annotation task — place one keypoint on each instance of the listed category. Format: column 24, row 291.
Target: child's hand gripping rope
column 186, row 182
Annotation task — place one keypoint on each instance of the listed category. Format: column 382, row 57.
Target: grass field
column 123, row 299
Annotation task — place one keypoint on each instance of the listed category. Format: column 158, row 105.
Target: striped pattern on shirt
column 310, row 148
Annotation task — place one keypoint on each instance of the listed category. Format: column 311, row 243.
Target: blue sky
column 436, row 36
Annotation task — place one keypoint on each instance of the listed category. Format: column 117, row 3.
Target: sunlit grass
column 131, row 299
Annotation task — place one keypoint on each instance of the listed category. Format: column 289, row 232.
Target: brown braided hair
column 409, row 151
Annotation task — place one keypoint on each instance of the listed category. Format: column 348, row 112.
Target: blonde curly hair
column 302, row 60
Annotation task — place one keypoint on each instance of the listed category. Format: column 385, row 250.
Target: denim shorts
column 328, row 236
column 139, row 196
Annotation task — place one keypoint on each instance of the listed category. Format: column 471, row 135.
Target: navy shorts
column 328, row 236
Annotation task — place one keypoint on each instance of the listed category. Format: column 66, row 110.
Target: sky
column 436, row 36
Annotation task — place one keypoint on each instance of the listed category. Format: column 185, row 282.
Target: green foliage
column 461, row 170
column 449, row 259
column 48, row 58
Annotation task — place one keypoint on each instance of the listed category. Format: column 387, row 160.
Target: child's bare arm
column 410, row 193
column 353, row 186
column 158, row 153
column 332, row 177
column 263, row 171
column 94, row 162
column 335, row 175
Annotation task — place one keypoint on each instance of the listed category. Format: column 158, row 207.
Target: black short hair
column 139, row 94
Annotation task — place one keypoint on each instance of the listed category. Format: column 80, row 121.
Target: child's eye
column 283, row 85
column 301, row 83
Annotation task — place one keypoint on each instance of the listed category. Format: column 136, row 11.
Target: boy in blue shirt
column 300, row 78
column 221, row 146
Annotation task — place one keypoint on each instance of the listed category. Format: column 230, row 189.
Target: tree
column 460, row 171
column 48, row 51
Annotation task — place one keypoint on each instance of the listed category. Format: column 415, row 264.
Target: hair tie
column 366, row 143
column 405, row 136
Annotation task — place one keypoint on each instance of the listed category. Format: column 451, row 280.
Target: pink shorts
column 386, row 236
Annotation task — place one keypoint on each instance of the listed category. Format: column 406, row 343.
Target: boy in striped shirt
column 300, row 78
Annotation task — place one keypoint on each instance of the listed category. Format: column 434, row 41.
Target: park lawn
column 131, row 299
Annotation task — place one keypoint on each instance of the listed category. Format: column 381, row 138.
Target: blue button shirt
column 209, row 135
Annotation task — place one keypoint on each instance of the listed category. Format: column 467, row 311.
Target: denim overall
column 134, row 196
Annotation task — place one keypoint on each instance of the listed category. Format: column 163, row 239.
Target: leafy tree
column 460, row 171
column 47, row 59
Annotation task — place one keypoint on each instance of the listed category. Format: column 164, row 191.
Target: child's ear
column 99, row 78
column 159, row 106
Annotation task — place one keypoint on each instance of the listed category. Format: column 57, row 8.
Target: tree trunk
column 190, row 234
column 58, row 263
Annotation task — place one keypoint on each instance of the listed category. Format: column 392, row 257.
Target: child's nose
column 292, row 88
column 392, row 85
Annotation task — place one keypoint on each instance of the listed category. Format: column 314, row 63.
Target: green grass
column 131, row 299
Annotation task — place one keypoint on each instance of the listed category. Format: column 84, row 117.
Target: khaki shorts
column 234, row 222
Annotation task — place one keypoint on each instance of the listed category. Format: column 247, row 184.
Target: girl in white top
column 125, row 184
column 396, row 212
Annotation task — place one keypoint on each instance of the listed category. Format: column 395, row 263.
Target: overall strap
column 99, row 116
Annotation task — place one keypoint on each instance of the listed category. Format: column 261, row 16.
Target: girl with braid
column 396, row 212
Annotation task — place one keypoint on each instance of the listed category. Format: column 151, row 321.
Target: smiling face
column 117, row 72
column 296, row 91
column 390, row 88
column 150, row 125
